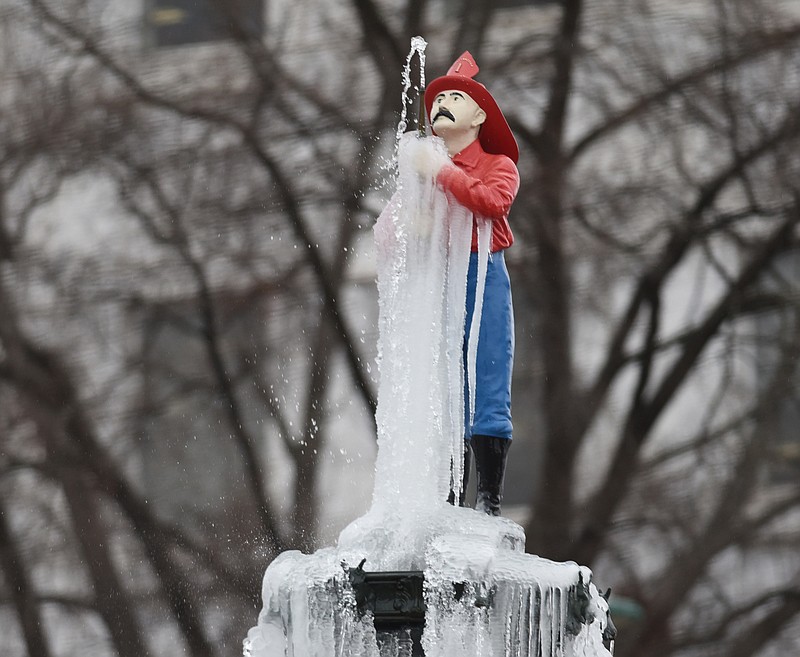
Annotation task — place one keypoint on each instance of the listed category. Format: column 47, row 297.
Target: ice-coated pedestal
column 483, row 596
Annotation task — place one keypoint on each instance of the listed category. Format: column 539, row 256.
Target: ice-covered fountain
column 415, row 575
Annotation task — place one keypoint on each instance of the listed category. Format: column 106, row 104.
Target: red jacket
column 486, row 184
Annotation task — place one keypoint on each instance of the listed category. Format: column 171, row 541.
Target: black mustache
column 446, row 113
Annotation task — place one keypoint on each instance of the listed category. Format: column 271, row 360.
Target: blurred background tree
column 187, row 305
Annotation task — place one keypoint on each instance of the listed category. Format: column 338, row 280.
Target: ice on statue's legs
column 483, row 595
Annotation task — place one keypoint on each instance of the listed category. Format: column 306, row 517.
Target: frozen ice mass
column 484, row 596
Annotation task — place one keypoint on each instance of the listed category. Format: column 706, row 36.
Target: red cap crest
column 464, row 65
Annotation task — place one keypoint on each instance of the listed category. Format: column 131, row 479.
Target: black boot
column 465, row 480
column 490, row 465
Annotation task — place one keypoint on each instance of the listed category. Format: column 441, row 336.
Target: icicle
column 552, row 631
column 423, row 253
column 529, row 630
column 484, row 242
column 459, row 242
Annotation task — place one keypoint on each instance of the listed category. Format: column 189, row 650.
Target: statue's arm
column 490, row 196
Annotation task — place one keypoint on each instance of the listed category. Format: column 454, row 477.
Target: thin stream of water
column 418, row 45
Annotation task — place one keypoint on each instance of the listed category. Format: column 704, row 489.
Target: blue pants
column 495, row 355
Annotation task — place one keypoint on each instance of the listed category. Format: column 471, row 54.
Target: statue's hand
column 428, row 157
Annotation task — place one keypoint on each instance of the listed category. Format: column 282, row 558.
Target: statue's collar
column 471, row 155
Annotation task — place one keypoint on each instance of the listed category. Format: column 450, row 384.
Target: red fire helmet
column 495, row 135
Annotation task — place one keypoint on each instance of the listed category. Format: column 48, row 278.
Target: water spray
column 418, row 45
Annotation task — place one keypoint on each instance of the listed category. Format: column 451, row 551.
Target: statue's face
column 455, row 111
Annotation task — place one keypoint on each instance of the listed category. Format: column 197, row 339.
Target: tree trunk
column 22, row 591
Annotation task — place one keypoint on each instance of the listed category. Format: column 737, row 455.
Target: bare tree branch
column 21, row 589
column 746, row 52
